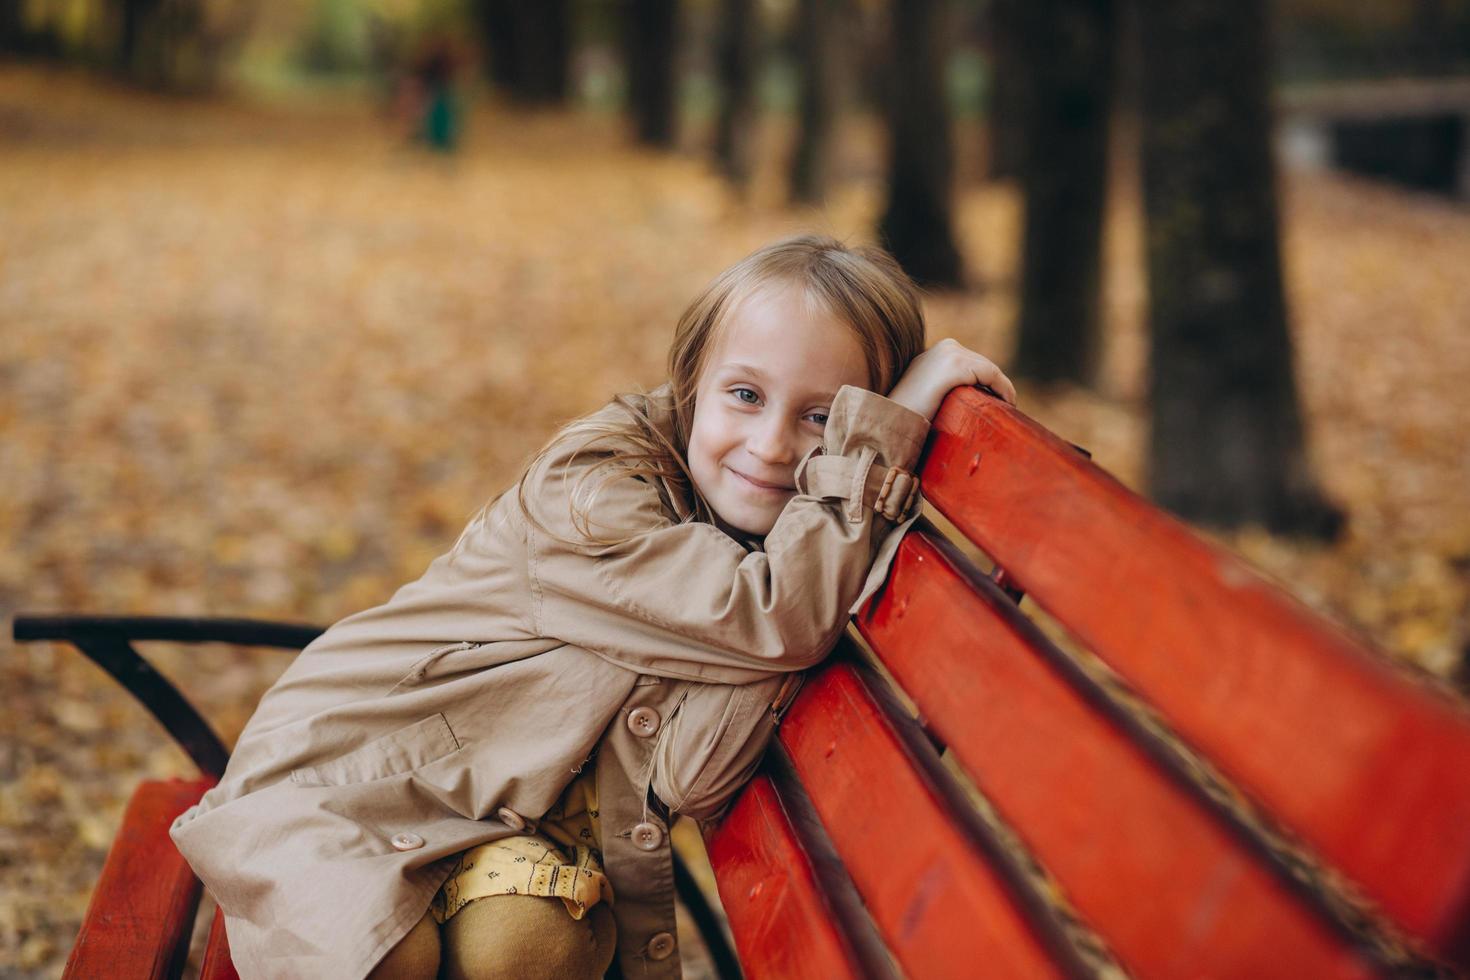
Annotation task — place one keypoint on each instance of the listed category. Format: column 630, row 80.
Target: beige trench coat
column 456, row 712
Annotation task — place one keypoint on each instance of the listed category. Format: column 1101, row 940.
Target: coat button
column 660, row 946
column 647, row 836
column 643, row 722
column 406, row 841
column 511, row 819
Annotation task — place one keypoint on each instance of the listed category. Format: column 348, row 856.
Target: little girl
column 477, row 777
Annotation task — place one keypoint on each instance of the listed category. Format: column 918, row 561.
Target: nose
column 772, row 442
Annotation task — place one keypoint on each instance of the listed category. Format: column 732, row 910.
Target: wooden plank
column 941, row 907
column 1171, row 888
column 1367, row 764
column 142, row 910
column 217, row 964
column 782, row 924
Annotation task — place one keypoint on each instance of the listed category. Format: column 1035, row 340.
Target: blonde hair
column 861, row 286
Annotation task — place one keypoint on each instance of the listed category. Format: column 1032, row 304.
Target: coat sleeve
column 716, row 737
column 687, row 601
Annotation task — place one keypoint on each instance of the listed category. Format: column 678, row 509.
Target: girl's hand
column 948, row 364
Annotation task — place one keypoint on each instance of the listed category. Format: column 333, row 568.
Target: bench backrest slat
column 1145, row 862
column 782, row 925
column 938, row 903
column 1303, row 717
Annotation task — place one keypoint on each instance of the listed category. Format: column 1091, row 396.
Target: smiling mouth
column 768, row 487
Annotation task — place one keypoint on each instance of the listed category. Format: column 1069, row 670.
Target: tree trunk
column 1006, row 109
column 1069, row 47
column 817, row 25
column 1227, row 447
column 546, row 30
column 739, row 39
column 916, row 226
column 1431, row 26
column 529, row 43
column 137, row 17
column 14, row 38
column 650, row 31
column 497, row 32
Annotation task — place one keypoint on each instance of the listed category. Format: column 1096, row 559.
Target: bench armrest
column 142, row 911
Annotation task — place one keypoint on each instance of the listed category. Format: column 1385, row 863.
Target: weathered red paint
column 1171, row 889
column 782, row 925
column 941, row 909
column 141, row 911
column 1369, row 766
column 217, row 965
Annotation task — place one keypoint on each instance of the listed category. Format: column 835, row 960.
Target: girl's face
column 761, row 402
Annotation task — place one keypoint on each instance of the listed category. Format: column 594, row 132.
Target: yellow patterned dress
column 561, row 861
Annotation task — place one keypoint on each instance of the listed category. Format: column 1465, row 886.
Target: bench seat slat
column 1307, row 719
column 782, row 925
column 142, row 909
column 941, row 908
column 1166, row 883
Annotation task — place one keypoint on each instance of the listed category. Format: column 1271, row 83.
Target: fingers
column 1006, row 389
column 986, row 373
column 956, row 360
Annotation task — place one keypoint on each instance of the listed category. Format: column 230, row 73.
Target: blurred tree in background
column 529, row 46
column 917, row 226
column 1006, row 110
column 822, row 33
column 738, row 60
column 650, row 37
column 1227, row 443
column 1065, row 53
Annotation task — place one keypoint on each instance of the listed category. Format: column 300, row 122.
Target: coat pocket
column 397, row 752
column 423, row 666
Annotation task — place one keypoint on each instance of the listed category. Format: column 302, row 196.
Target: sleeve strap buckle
column 897, row 495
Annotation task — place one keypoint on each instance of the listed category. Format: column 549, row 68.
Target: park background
column 289, row 288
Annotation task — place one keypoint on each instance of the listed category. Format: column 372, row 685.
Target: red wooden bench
column 1184, row 773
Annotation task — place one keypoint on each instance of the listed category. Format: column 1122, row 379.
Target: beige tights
column 505, row 937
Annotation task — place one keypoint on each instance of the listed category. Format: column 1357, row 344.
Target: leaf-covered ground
column 265, row 361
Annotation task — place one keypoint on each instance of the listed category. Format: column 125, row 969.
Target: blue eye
column 819, row 415
column 738, row 392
